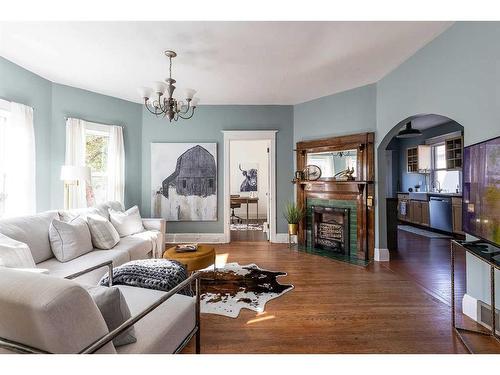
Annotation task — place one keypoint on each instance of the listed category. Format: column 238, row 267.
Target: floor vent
column 485, row 316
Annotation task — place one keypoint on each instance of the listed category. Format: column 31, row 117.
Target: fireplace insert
column 330, row 229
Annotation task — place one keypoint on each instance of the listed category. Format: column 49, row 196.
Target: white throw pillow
column 128, row 222
column 68, row 215
column 69, row 240
column 15, row 254
column 103, row 233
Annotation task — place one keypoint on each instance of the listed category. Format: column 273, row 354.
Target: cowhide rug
column 236, row 287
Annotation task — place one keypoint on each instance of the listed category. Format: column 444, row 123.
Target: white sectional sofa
column 34, row 231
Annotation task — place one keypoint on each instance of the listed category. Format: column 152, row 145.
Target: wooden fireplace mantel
column 361, row 190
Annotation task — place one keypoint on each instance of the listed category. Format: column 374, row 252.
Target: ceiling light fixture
column 169, row 107
column 409, row 132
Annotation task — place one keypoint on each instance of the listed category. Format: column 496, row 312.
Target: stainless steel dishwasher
column 440, row 213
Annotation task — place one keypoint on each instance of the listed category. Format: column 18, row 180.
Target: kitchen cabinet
column 417, row 211
column 418, row 159
column 454, row 151
column 456, row 208
column 425, row 214
column 403, row 207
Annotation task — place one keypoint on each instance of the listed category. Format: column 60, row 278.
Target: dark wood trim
column 361, row 190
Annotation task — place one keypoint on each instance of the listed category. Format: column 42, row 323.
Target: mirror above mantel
column 333, row 163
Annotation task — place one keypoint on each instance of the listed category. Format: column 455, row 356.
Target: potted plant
column 293, row 215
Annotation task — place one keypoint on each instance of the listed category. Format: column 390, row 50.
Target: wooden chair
column 235, row 204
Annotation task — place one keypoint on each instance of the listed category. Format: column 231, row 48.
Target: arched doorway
column 415, row 242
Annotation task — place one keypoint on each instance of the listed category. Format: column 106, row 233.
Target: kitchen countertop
column 458, row 195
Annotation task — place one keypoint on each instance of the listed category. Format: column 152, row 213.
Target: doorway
column 423, row 172
column 249, row 186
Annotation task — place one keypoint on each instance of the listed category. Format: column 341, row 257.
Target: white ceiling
column 227, row 62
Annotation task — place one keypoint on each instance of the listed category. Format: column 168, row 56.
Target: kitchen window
column 441, row 178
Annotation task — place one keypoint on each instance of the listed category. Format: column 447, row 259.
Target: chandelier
column 163, row 103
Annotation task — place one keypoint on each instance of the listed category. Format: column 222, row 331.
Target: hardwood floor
column 427, row 262
column 249, row 235
column 334, row 308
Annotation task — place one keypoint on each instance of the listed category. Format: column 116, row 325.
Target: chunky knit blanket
column 158, row 274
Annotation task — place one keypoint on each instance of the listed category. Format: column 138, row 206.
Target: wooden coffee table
column 203, row 257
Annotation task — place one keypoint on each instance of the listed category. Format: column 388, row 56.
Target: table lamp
column 72, row 175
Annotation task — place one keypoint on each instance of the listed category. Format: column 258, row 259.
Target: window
column 17, row 160
column 99, row 147
column 439, row 156
column 96, row 158
column 447, row 181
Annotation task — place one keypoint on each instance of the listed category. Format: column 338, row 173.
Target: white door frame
column 249, row 135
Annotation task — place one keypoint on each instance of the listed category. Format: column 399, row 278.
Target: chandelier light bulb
column 165, row 105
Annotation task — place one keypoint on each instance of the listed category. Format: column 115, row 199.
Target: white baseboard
column 283, row 238
column 381, row 255
column 194, row 237
column 470, row 306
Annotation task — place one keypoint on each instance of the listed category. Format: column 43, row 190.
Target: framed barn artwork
column 184, row 181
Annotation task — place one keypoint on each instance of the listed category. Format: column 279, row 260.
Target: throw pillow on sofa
column 69, row 240
column 114, row 310
column 103, row 233
column 68, row 215
column 128, row 222
column 15, row 254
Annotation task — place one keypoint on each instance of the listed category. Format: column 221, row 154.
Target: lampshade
column 194, row 102
column 74, row 173
column 189, row 93
column 145, row 92
column 409, row 132
column 159, row 87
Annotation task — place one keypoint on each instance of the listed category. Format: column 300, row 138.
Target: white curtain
column 75, row 155
column 19, row 163
column 116, row 165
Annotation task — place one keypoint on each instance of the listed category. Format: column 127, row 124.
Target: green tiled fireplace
column 353, row 232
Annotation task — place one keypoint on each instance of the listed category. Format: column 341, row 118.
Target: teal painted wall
column 347, row 112
column 52, row 103
column 72, row 102
column 207, row 126
column 22, row 86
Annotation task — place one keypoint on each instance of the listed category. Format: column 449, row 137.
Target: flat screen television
column 481, row 191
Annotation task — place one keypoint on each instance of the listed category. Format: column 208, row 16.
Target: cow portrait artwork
column 249, row 182
column 184, row 181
